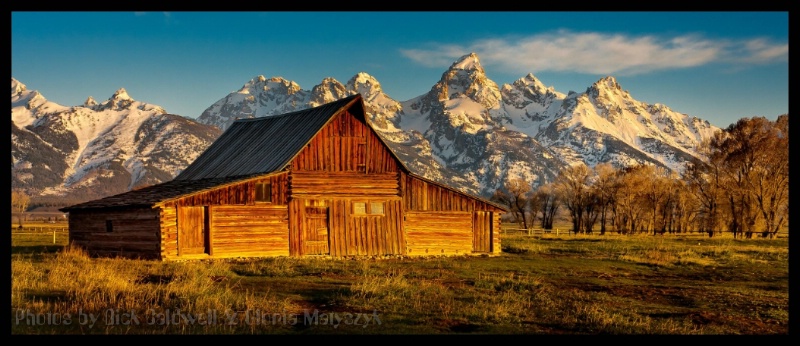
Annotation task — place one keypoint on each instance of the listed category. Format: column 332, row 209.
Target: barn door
column 192, row 231
column 315, row 231
column 482, row 231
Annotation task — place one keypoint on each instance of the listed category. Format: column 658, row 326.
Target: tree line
column 741, row 185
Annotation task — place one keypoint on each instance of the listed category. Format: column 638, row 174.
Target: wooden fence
column 568, row 231
column 41, row 231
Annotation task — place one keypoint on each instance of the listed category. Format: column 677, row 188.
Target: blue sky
column 718, row 66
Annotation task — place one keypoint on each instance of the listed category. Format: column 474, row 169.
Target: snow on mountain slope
column 484, row 134
column 98, row 148
column 466, row 131
column 605, row 124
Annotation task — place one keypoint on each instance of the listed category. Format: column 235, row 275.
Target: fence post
column 54, row 235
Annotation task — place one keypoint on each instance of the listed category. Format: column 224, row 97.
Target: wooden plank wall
column 169, row 232
column 135, row 232
column 425, row 203
column 482, row 230
column 296, row 212
column 239, row 194
column 346, row 161
column 438, row 233
column 346, row 144
column 496, row 249
column 352, row 235
column 260, row 230
column 420, row 195
column 235, row 196
column 371, row 235
column 306, row 184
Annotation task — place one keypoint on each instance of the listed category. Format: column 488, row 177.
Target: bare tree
column 704, row 182
column 605, row 186
column 629, row 207
column 771, row 181
column 19, row 204
column 744, row 181
column 572, row 184
column 656, row 194
column 516, row 195
column 548, row 203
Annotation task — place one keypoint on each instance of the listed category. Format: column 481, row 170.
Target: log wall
column 309, row 184
column 135, row 232
column 439, row 233
column 260, row 230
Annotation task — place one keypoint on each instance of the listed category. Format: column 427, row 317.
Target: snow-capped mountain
column 97, row 149
column 474, row 134
column 467, row 131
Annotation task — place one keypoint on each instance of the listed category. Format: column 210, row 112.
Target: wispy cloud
column 600, row 53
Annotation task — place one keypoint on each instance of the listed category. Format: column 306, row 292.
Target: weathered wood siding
column 169, row 232
column 238, row 194
column 482, row 224
column 369, row 234
column 441, row 220
column 234, row 231
column 420, row 195
column 259, row 230
column 439, row 232
column 238, row 226
column 309, row 184
column 345, row 162
column 496, row 249
column 134, row 232
column 346, row 144
column 192, row 230
column 348, row 234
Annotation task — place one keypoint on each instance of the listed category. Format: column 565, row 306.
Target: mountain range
column 466, row 131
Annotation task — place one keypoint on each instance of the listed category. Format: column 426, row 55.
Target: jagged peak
column 330, row 80
column 364, row 78
column 90, row 102
column 262, row 83
column 531, row 80
column 121, row 94
column 467, row 62
column 364, row 84
column 608, row 82
column 16, row 87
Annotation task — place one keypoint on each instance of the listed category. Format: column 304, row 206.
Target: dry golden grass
column 566, row 284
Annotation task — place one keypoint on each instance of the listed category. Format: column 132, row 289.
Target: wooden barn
column 318, row 181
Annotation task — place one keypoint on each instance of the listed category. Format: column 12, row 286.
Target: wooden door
column 192, row 231
column 315, row 231
column 482, row 231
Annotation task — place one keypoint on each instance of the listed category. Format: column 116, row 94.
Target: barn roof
column 248, row 148
column 148, row 196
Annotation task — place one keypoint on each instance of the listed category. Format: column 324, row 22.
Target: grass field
column 543, row 284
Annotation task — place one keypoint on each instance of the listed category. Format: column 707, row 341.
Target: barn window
column 109, row 226
column 371, row 208
column 359, row 208
column 263, row 192
column 376, row 208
